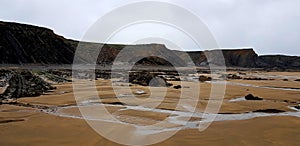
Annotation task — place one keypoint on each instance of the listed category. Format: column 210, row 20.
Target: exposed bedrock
column 16, row 84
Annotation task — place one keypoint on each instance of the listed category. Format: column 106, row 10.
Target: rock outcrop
column 22, row 84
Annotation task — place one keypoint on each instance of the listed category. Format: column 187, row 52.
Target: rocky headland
column 27, row 44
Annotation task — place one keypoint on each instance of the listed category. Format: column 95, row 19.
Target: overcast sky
column 269, row 26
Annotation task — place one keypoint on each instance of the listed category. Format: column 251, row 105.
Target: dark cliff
column 279, row 61
column 20, row 43
column 232, row 58
column 23, row 44
column 142, row 54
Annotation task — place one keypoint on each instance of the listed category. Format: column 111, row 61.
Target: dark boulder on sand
column 234, row 77
column 297, row 107
column 177, row 87
column 204, row 78
column 251, row 97
column 148, row 79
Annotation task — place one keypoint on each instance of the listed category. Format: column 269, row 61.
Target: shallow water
column 177, row 117
column 237, row 99
column 274, row 76
column 251, row 85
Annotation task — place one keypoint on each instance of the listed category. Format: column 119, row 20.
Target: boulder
column 204, row 78
column 234, row 77
column 177, row 87
column 147, row 79
column 251, row 97
column 157, row 82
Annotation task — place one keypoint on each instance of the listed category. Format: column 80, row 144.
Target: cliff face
column 242, row 58
column 148, row 54
column 233, row 58
column 279, row 61
column 20, row 43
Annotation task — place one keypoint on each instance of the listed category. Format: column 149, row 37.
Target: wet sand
column 237, row 122
column 43, row 129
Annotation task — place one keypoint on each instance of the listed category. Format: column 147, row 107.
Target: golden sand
column 31, row 126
